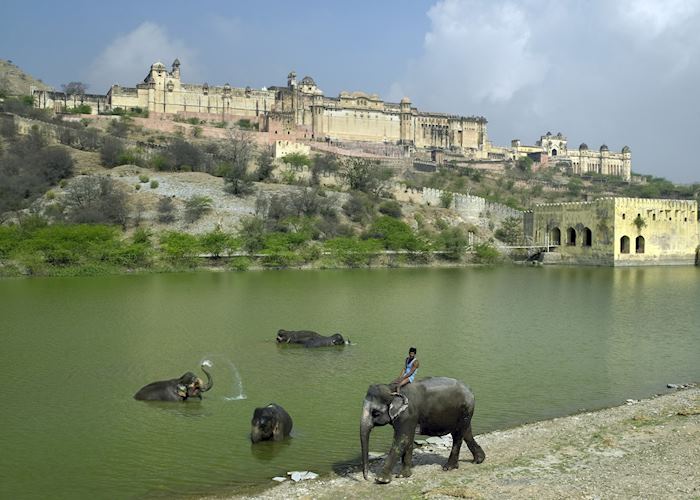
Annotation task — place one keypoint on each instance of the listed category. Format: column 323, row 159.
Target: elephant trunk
column 210, row 381
column 366, row 426
column 255, row 434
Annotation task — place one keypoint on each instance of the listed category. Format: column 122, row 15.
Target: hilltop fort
column 301, row 111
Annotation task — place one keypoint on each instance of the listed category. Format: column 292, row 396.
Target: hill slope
column 14, row 81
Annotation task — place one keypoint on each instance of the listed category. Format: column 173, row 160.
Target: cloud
column 649, row 19
column 476, row 50
column 616, row 72
column 127, row 58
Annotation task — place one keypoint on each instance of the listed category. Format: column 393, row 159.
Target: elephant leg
column 398, row 448
column 477, row 452
column 453, row 460
column 407, row 461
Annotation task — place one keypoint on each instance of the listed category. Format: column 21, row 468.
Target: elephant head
column 282, row 336
column 381, row 406
column 195, row 386
column 337, row 339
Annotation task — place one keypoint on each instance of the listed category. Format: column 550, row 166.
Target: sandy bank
column 643, row 449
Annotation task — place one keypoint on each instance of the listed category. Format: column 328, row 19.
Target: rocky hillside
column 14, row 81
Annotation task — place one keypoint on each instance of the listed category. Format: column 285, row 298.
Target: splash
column 226, row 363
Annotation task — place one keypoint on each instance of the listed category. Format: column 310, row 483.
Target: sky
column 614, row 72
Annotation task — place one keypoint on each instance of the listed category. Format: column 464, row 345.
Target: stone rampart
column 468, row 206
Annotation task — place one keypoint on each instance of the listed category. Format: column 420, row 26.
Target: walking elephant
column 308, row 338
column 271, row 422
column 176, row 389
column 437, row 405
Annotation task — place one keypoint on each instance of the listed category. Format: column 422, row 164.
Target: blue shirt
column 409, row 364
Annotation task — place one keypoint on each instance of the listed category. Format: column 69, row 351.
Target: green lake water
column 533, row 343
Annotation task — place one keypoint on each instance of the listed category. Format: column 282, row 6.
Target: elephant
column 308, row 338
column 176, row 389
column 434, row 405
column 270, row 423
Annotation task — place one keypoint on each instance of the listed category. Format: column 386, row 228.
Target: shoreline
column 646, row 448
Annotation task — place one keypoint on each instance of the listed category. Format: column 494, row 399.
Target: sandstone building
column 581, row 161
column 297, row 110
column 618, row 231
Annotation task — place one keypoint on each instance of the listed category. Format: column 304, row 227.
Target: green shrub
column 137, row 187
column 82, row 109
column 394, row 234
column 216, row 243
column 392, row 208
column 197, row 131
column 154, row 184
column 180, row 248
column 196, row 207
column 296, row 160
column 352, row 252
column 240, row 263
column 485, row 253
column 143, row 178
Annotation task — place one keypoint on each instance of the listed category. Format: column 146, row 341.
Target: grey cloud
column 127, row 58
column 619, row 73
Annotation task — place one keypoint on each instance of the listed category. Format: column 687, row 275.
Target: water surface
column 533, row 343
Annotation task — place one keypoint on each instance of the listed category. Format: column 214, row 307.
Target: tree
column 74, row 88
column 365, row 175
column 296, row 160
column 166, row 210
column 453, row 241
column 216, row 243
column 237, row 153
column 511, row 230
column 96, row 200
column 524, row 164
column 323, row 164
column 111, row 151
column 392, row 208
column 196, row 207
column 265, row 164
column 252, row 234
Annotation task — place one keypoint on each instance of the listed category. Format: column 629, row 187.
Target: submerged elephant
column 271, row 422
column 437, row 405
column 176, row 389
column 308, row 338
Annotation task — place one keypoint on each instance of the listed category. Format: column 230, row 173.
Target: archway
column 625, row 244
column 571, row 236
column 555, row 236
column 639, row 244
column 587, row 237
column 554, row 152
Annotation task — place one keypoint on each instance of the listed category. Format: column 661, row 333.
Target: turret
column 176, row 69
column 405, row 120
column 292, row 80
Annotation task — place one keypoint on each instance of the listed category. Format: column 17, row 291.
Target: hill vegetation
column 105, row 194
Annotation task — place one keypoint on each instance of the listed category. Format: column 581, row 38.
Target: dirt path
column 643, row 449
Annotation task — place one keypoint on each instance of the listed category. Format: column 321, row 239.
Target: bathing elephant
column 437, row 405
column 176, row 389
column 270, row 422
column 308, row 338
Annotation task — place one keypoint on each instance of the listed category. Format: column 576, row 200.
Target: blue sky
column 615, row 72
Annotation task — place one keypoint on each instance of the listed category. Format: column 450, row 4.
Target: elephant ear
column 398, row 404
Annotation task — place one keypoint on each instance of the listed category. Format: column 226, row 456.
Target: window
column 639, row 244
column 555, row 236
column 625, row 244
column 623, row 216
column 587, row 237
column 571, row 236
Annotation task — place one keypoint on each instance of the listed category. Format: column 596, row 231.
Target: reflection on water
column 532, row 343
